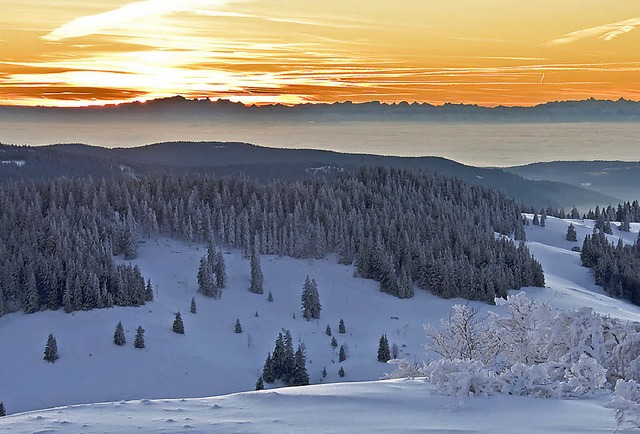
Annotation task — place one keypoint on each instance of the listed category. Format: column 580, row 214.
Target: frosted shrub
column 626, row 404
column 586, row 377
column 461, row 377
column 405, row 369
column 543, row 380
column 465, row 335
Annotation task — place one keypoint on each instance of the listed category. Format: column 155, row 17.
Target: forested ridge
column 398, row 226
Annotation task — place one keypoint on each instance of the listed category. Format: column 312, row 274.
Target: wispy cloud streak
column 145, row 9
column 605, row 32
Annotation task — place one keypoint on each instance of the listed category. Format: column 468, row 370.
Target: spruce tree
column 270, row 297
column 299, row 375
column 257, row 277
column 51, row 350
column 148, row 291
column 384, row 355
column 327, row 331
column 259, row 384
column 138, row 342
column 334, row 342
column 118, row 335
column 341, row 328
column 571, row 233
column 310, row 300
column 267, row 370
column 219, row 269
column 178, row 325
column 342, row 355
column 341, row 372
column 194, row 308
column 3, row 412
column 238, row 326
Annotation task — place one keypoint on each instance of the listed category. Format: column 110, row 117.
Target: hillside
column 199, row 363
column 606, row 177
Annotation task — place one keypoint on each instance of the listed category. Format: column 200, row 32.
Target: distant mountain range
column 179, row 107
column 220, row 158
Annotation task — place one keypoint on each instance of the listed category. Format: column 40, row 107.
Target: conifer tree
column 194, row 308
column 310, row 300
column 260, row 384
column 138, row 342
column 270, row 297
column 299, row 376
column 543, row 218
column 341, row 327
column 219, row 269
column 384, row 354
column 257, row 277
column 334, row 342
column 342, row 355
column 327, row 331
column 341, row 372
column 267, row 370
column 571, row 233
column 51, row 350
column 178, row 325
column 324, row 372
column 118, row 335
column 3, row 412
column 238, row 326
column 148, row 291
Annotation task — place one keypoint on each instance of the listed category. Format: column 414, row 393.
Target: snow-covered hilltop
column 406, row 406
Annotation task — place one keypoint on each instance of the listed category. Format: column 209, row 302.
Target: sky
column 491, row 52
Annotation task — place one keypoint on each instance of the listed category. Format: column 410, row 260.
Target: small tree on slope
column 51, row 350
column 384, row 355
column 118, row 335
column 178, row 325
column 3, row 412
column 139, row 340
column 571, row 233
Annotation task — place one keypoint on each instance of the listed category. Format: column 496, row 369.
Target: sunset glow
column 497, row 52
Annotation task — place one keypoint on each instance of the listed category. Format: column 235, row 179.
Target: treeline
column 615, row 267
column 625, row 213
column 398, row 226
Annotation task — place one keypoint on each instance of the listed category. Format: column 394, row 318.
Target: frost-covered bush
column 465, row 335
column 626, row 404
column 532, row 350
column 586, row 377
column 460, row 377
column 405, row 369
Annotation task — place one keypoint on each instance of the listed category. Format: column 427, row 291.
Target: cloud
column 605, row 32
column 145, row 9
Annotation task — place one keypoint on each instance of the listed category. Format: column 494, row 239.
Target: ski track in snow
column 210, row 359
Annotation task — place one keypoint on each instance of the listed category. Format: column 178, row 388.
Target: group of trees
column 284, row 364
column 57, row 242
column 400, row 227
column 212, row 273
column 120, row 339
column 615, row 267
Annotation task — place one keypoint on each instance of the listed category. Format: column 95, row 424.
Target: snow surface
column 404, row 406
column 210, row 359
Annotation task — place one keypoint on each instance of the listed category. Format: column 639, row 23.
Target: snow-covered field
column 210, row 359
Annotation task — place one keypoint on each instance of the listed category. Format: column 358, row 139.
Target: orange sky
column 79, row 52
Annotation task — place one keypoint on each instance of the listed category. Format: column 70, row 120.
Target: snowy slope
column 403, row 406
column 210, row 359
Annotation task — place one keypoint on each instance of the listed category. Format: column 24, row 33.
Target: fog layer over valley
column 477, row 144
